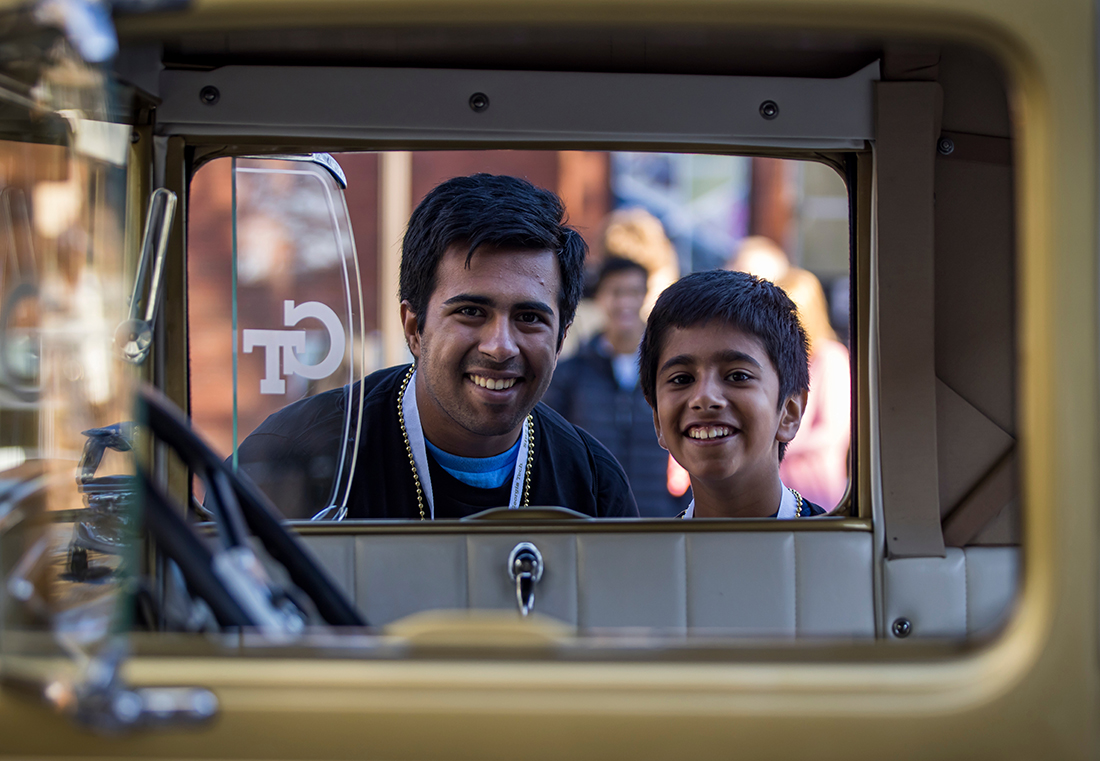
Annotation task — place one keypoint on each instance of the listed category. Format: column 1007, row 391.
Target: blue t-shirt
column 480, row 472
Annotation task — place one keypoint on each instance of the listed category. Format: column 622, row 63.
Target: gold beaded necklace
column 530, row 423
column 797, row 502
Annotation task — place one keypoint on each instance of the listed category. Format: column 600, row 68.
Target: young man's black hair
column 613, row 264
column 757, row 307
column 496, row 211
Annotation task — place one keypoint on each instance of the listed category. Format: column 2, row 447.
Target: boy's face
column 718, row 410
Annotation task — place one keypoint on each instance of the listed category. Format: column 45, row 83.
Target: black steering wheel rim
column 247, row 507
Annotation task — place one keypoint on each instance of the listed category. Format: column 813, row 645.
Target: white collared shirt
column 788, row 506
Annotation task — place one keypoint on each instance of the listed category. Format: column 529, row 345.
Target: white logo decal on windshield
column 282, row 346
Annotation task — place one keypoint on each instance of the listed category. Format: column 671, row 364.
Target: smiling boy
column 724, row 367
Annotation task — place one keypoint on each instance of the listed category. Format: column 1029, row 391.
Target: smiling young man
column 724, row 367
column 490, row 280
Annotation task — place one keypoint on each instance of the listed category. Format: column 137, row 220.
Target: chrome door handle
column 525, row 566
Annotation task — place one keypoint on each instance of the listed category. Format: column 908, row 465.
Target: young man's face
column 488, row 346
column 718, row 410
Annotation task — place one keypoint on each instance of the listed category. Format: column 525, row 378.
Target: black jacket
column 585, row 392
column 293, row 457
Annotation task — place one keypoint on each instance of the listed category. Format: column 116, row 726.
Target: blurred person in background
column 598, row 388
column 760, row 256
column 816, row 461
column 638, row 236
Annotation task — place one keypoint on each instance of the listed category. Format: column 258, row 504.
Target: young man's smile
column 487, row 348
column 492, row 384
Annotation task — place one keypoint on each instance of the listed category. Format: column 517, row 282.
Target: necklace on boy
column 797, row 502
column 528, row 433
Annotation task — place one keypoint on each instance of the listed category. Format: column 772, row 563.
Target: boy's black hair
column 489, row 210
column 613, row 264
column 754, row 306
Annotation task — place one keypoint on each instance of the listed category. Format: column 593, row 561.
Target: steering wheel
column 231, row 581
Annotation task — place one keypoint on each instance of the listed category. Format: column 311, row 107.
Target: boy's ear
column 657, row 428
column 410, row 325
column 790, row 416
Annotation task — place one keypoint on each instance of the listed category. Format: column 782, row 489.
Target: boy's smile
column 718, row 413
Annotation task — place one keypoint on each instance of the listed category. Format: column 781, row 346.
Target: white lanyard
column 415, row 432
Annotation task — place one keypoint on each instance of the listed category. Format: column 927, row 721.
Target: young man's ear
column 411, row 327
column 657, row 428
column 790, row 416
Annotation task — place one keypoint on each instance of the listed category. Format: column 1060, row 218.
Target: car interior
column 157, row 534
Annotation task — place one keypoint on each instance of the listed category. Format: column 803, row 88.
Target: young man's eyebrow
column 534, row 306
column 469, row 298
column 485, row 301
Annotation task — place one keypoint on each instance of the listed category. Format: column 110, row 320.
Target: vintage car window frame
column 854, row 509
column 827, row 120
column 895, row 693
column 855, row 506
column 850, row 156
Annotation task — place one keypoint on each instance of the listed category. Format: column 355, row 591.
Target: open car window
column 269, row 235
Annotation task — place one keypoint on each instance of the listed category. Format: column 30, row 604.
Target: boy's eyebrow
column 739, row 356
column 679, row 359
column 725, row 356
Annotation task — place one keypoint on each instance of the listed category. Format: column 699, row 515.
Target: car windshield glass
column 281, row 281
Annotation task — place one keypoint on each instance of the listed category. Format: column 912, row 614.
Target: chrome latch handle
column 525, row 566
column 135, row 335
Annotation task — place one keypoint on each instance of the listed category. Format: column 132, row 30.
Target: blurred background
column 671, row 213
